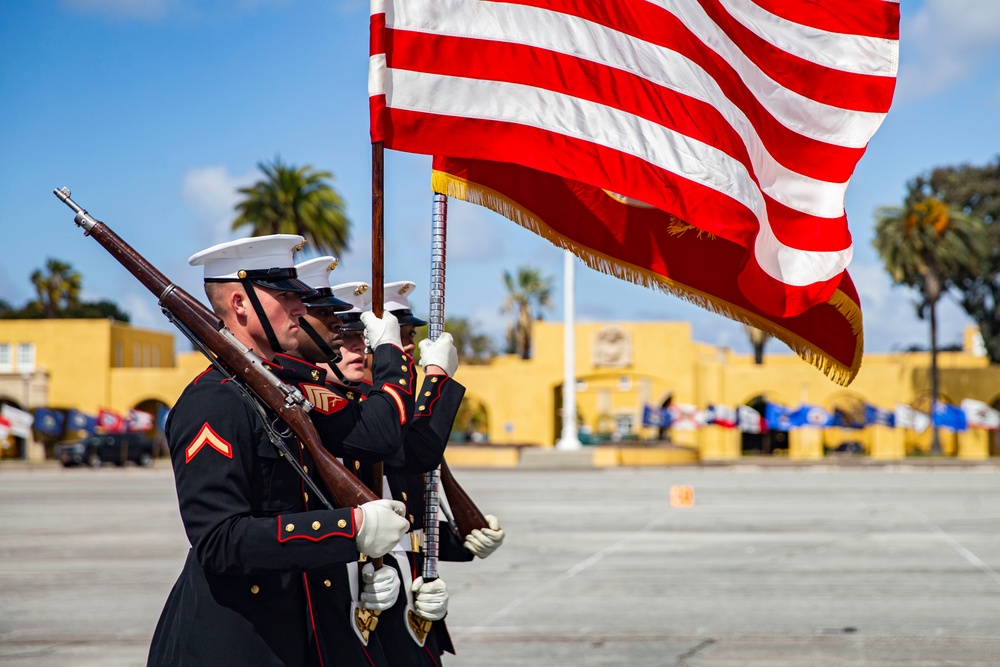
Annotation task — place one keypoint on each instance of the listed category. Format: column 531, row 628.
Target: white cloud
column 945, row 43
column 210, row 193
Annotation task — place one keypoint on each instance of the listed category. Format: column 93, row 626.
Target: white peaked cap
column 316, row 272
column 358, row 294
column 397, row 301
column 397, row 295
column 224, row 261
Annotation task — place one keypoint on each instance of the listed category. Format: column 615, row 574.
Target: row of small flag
column 54, row 422
column 969, row 414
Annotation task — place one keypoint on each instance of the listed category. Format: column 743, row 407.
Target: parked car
column 117, row 448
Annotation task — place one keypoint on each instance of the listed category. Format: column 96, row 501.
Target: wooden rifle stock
column 467, row 515
column 345, row 489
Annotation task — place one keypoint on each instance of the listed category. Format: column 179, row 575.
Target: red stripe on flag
column 656, row 25
column 647, row 246
column 869, row 18
column 633, row 94
column 627, row 175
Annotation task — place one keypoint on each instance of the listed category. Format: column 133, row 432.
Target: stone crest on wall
column 612, row 348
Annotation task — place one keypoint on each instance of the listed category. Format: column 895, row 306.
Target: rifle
column 467, row 515
column 232, row 357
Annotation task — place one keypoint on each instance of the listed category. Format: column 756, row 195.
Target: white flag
column 749, row 419
column 980, row 415
column 20, row 421
column 911, row 418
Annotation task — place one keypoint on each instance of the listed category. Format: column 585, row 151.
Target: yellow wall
column 78, row 358
column 665, row 358
column 79, row 355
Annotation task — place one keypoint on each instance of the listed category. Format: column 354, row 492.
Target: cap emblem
column 362, row 288
column 241, row 274
column 404, row 289
column 299, row 247
column 333, row 265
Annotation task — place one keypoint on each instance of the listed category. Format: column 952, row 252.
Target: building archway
column 472, row 422
column 767, row 442
column 13, row 446
column 158, row 409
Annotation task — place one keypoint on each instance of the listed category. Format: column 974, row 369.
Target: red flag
column 139, row 420
column 110, row 421
column 743, row 118
column 647, row 246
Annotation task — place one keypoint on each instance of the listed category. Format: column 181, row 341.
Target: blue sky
column 154, row 111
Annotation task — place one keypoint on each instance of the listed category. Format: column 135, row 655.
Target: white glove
column 381, row 587
column 441, row 352
column 430, row 599
column 382, row 526
column 484, row 542
column 380, row 330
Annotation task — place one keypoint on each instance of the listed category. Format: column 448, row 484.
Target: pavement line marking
column 594, row 558
column 956, row 545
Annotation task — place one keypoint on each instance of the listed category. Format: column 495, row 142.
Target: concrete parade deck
column 774, row 565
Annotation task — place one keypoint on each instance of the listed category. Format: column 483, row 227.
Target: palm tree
column 295, row 200
column 58, row 289
column 474, row 347
column 927, row 245
column 525, row 290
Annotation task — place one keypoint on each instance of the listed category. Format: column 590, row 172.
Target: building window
column 581, row 385
column 624, row 383
column 146, row 358
column 25, row 357
column 156, row 356
column 623, row 425
column 6, row 363
column 119, row 354
column 136, row 355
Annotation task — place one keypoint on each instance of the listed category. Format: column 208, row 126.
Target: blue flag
column 161, row 418
column 811, row 415
column 652, row 416
column 879, row 416
column 777, row 417
column 80, row 421
column 48, row 421
column 950, row 417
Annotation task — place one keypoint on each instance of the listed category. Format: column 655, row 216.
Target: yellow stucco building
column 620, row 367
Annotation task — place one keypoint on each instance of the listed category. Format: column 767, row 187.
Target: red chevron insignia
column 206, row 436
column 326, row 401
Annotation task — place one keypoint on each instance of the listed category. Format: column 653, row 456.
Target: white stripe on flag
column 834, row 50
column 606, row 126
column 593, row 42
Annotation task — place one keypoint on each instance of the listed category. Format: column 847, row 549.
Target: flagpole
column 378, row 270
column 569, row 440
column 432, row 479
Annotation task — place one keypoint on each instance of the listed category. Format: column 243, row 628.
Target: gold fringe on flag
column 452, row 186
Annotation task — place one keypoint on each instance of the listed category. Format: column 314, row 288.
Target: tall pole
column 569, row 439
column 378, row 270
column 439, row 237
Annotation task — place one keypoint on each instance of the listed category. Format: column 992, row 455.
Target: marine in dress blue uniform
column 334, row 589
column 241, row 598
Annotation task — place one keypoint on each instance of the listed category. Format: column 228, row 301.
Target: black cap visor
column 324, row 298
column 406, row 316
column 351, row 322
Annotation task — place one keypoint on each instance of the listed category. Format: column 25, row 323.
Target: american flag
column 743, row 118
